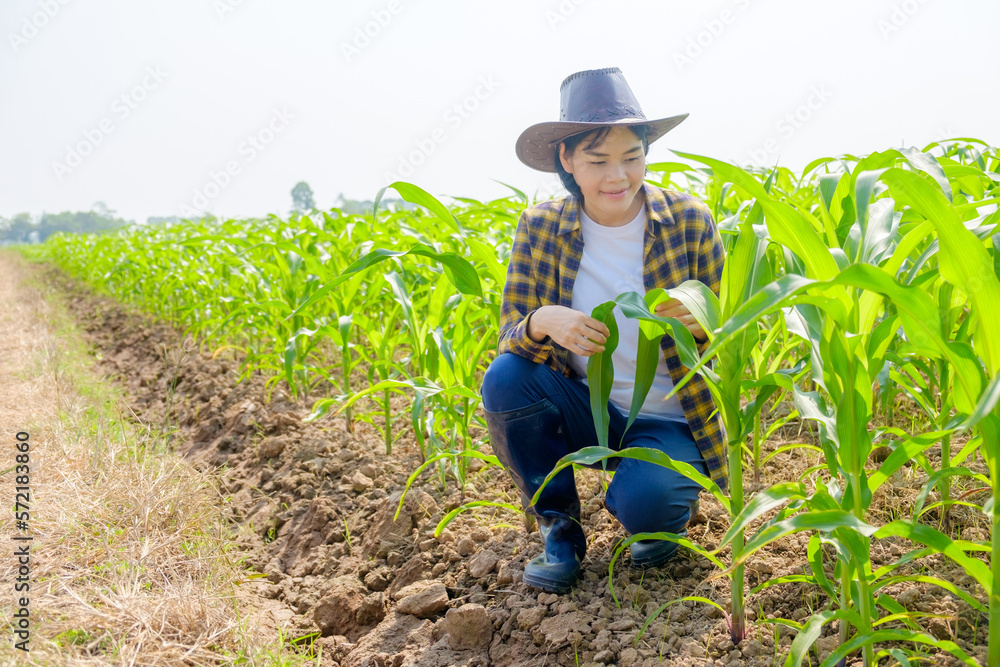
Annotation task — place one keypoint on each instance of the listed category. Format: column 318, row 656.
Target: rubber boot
column 653, row 553
column 557, row 569
column 528, row 442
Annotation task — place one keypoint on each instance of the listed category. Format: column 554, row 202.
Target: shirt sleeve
column 520, row 301
column 711, row 258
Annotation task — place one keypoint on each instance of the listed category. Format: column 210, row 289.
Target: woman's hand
column 677, row 310
column 575, row 331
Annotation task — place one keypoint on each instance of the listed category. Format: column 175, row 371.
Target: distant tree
column 18, row 229
column 161, row 219
column 23, row 229
column 360, row 207
column 302, row 197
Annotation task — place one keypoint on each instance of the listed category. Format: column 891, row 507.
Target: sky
column 222, row 106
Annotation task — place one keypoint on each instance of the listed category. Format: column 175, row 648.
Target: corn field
column 860, row 285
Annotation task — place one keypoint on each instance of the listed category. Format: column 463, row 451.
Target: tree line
column 25, row 228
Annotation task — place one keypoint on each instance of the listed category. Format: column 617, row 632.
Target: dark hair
column 597, row 136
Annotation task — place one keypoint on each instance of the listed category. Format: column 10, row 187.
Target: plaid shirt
column 681, row 243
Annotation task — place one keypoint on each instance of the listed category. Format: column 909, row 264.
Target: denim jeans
column 643, row 496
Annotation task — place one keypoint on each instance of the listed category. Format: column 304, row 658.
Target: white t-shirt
column 612, row 264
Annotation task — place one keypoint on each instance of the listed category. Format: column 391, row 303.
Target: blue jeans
column 643, row 496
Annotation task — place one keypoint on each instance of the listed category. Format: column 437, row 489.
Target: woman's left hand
column 677, row 310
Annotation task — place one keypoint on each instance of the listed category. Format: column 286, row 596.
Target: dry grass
column 133, row 561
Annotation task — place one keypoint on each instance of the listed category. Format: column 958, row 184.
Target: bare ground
column 121, row 560
column 364, row 590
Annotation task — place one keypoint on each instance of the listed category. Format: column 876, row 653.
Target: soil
column 364, row 590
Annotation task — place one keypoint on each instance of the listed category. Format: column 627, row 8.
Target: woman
column 613, row 233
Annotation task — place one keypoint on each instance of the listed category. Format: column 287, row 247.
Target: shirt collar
column 657, row 211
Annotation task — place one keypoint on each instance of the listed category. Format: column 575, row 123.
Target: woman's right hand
column 576, row 331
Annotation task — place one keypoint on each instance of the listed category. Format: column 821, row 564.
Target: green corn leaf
column 823, row 520
column 811, row 406
column 590, row 455
column 697, row 297
column 786, row 448
column 814, row 555
column 761, row 503
column 663, row 607
column 897, row 654
column 896, row 613
column 743, row 263
column 669, row 167
column 785, row 224
column 417, row 195
column 640, row 308
column 700, row 301
column 937, row 540
column 520, row 195
column 864, row 185
column 778, row 581
column 647, row 361
column 987, row 404
column 488, row 256
column 901, row 455
column 459, row 271
column 858, row 642
column 811, row 630
column 929, row 165
column 290, row 351
column 443, row 523
column 666, row 537
column 313, row 265
column 854, row 408
column 601, row 372
column 932, row 481
column 924, row 579
column 964, row 262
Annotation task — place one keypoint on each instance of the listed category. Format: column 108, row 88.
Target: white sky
column 878, row 74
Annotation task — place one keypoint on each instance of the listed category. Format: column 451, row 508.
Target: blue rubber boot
column 557, row 569
column 653, row 553
column 528, row 442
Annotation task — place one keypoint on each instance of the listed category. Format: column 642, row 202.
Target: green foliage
column 23, row 229
column 846, row 287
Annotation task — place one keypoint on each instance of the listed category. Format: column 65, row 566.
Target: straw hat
column 588, row 99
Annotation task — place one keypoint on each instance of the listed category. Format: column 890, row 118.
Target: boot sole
column 663, row 560
column 654, row 562
column 548, row 585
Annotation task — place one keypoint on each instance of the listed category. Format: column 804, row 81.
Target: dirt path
column 317, row 503
column 121, row 547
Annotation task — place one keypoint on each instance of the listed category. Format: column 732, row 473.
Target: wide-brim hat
column 589, row 99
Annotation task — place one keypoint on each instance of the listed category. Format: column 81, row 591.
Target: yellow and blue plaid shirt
column 681, row 243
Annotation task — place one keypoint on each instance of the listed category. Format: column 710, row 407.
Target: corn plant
column 382, row 367
column 859, row 282
column 847, row 442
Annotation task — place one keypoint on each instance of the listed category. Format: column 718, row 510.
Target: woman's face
column 610, row 176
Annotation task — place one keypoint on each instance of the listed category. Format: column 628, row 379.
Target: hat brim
column 534, row 146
